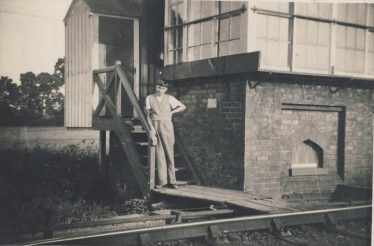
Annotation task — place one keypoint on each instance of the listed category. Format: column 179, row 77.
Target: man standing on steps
column 159, row 108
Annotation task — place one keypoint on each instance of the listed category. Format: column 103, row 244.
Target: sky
column 32, row 36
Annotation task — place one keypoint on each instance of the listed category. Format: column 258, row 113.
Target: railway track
column 213, row 228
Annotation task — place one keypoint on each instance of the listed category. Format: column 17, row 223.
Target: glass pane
column 179, row 55
column 371, row 41
column 284, row 28
column 180, row 37
column 224, row 29
column 283, row 54
column 195, row 10
column 207, row 29
column 325, row 10
column 361, row 14
column 323, row 58
column 171, row 57
column 312, row 31
column 261, row 26
column 269, row 6
column 206, row 51
column 371, row 63
column 273, row 28
column 350, row 37
column 236, row 5
column 342, row 11
column 340, row 36
column 272, row 54
column 350, row 55
column 194, row 53
column 207, row 9
column 300, row 55
column 235, row 47
column 284, row 7
column 360, row 39
column 181, row 16
column 194, row 35
column 312, row 9
column 371, row 14
column 223, row 49
column 173, row 15
column 172, row 40
column 324, row 32
column 352, row 12
column 301, row 8
column 359, row 64
column 235, row 27
column 225, row 6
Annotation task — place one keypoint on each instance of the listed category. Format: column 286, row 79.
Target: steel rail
column 215, row 227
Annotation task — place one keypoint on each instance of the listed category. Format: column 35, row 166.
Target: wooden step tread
column 179, row 169
column 184, row 182
column 142, row 143
column 138, row 131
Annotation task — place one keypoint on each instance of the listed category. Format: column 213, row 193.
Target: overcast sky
column 31, row 35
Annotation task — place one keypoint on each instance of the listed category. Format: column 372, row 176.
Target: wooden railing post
column 151, row 163
column 118, row 90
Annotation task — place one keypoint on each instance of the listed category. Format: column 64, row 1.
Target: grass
column 43, row 187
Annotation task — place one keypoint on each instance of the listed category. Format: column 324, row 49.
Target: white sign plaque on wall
column 212, row 103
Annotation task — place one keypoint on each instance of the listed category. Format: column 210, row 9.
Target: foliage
column 38, row 100
column 41, row 186
column 9, row 96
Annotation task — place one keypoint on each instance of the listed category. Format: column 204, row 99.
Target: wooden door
column 119, row 37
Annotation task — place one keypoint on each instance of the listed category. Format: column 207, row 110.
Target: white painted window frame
column 185, row 57
column 251, row 45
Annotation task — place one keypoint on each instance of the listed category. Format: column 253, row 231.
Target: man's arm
column 149, row 120
column 177, row 106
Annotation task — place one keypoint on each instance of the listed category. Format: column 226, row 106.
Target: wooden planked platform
column 230, row 197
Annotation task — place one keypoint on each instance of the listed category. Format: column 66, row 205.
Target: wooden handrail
column 104, row 70
column 135, row 103
column 133, row 99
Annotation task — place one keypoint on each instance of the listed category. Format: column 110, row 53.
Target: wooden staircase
column 134, row 134
column 184, row 170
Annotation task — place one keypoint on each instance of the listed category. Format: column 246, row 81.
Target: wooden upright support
column 102, row 152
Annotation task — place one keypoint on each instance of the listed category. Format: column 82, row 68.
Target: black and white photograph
column 186, row 122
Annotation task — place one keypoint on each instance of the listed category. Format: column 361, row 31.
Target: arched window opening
column 307, row 157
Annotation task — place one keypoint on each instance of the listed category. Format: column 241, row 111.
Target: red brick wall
column 268, row 128
column 214, row 137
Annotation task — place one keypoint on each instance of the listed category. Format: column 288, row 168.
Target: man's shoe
column 173, row 186
column 160, row 186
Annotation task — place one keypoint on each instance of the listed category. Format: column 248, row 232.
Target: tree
column 9, row 98
column 41, row 96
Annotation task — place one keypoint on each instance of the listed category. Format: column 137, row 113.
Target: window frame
column 333, row 23
column 216, row 17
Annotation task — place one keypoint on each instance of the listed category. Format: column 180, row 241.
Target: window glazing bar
column 223, row 15
column 289, row 15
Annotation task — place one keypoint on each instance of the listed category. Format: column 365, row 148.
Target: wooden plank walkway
column 230, row 197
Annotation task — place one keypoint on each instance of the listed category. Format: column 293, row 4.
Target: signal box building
column 279, row 96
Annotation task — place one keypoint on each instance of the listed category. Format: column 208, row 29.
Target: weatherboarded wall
column 50, row 137
column 78, row 66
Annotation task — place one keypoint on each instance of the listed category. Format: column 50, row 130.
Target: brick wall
column 213, row 136
column 268, row 129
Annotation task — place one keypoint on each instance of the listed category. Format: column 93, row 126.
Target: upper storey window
column 323, row 38
column 202, row 29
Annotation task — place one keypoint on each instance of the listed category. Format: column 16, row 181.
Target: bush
column 41, row 187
